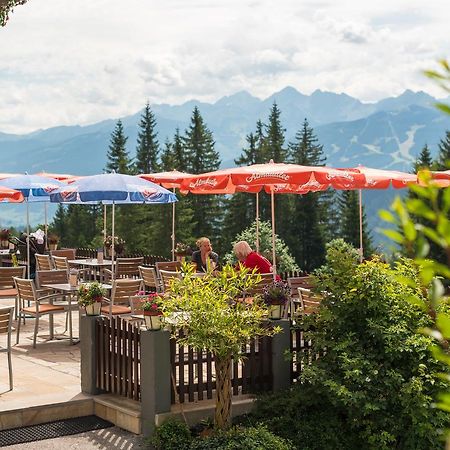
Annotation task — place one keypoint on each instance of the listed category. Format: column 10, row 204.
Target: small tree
column 213, row 318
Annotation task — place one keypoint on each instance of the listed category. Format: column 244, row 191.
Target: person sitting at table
column 204, row 258
column 251, row 259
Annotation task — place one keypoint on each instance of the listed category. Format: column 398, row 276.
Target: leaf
column 443, row 323
column 394, row 235
column 387, row 216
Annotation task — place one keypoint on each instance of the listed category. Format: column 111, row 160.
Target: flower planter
column 152, row 320
column 275, row 312
column 93, row 309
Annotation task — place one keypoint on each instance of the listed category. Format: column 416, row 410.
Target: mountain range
column 386, row 134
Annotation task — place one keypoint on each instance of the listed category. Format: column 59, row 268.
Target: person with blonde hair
column 204, row 258
column 251, row 259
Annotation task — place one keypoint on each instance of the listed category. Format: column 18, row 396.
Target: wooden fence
column 193, row 372
column 118, row 352
column 118, row 357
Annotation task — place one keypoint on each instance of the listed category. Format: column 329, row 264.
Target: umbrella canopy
column 60, row 176
column 8, row 175
column 440, row 178
column 34, row 188
column 112, row 188
column 272, row 177
column 10, row 195
column 170, row 180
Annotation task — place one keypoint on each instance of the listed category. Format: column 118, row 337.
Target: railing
column 118, row 353
column 149, row 260
column 193, row 372
column 118, row 350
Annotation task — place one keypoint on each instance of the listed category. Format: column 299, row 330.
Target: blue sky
column 65, row 62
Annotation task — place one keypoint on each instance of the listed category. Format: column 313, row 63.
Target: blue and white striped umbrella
column 112, row 189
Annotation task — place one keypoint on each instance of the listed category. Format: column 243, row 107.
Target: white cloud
column 65, row 62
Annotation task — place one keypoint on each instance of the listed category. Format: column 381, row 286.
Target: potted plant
column 90, row 295
column 182, row 250
column 275, row 296
column 152, row 312
column 4, row 236
column 119, row 245
column 52, row 241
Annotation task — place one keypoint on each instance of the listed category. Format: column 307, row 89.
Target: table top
column 91, row 262
column 66, row 287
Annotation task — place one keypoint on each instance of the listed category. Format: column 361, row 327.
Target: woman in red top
column 250, row 259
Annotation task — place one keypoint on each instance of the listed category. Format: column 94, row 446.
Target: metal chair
column 28, row 293
column 6, row 317
column 62, row 263
column 258, row 289
column 69, row 253
column 296, row 282
column 122, row 290
column 309, row 301
column 151, row 280
column 43, row 262
column 7, row 286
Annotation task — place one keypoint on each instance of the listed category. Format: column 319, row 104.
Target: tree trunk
column 222, row 417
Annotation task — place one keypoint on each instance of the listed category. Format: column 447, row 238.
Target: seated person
column 250, row 259
column 204, row 257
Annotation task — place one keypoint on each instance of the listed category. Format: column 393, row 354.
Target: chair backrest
column 296, row 282
column 128, row 267
column 69, row 253
column 43, row 262
column 123, row 289
column 6, row 317
column 167, row 276
column 8, row 273
column 309, row 301
column 171, row 266
column 137, row 302
column 60, row 262
column 26, row 289
column 148, row 274
column 51, row 277
column 266, row 279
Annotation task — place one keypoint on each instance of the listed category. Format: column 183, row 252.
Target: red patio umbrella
column 440, row 178
column 170, row 180
column 10, row 195
column 270, row 176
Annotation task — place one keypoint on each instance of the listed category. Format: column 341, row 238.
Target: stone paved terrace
column 48, row 374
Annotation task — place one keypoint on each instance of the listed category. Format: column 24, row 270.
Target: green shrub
column 238, row 438
column 374, row 386
column 171, row 435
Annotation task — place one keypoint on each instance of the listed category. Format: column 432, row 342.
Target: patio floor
column 48, row 374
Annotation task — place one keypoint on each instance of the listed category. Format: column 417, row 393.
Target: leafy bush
column 375, row 383
column 238, row 438
column 171, row 435
column 285, row 261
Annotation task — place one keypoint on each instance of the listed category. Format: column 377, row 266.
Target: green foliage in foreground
column 175, row 435
column 376, row 382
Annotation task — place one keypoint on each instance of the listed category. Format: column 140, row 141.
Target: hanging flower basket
column 275, row 296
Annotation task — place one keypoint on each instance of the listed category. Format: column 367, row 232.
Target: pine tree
column 349, row 222
column 117, row 156
column 275, row 136
column 167, row 157
column 424, row 160
column 443, row 158
column 240, row 208
column 147, row 151
column 307, row 227
column 180, row 159
column 198, row 143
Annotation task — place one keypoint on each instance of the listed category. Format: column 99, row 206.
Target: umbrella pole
column 173, row 229
column 104, row 224
column 28, row 239
column 274, row 262
column 45, row 225
column 361, row 249
column 112, row 245
column 257, row 222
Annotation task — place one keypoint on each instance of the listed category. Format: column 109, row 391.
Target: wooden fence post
column 155, row 377
column 88, row 352
column 281, row 366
